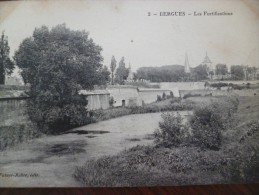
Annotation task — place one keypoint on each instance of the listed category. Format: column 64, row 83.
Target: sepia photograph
column 129, row 93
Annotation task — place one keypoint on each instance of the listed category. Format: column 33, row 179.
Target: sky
column 123, row 28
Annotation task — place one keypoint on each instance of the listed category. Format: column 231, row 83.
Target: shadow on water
column 81, row 132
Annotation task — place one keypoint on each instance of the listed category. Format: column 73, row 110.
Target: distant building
column 211, row 70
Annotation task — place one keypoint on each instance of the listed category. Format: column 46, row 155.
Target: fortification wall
column 182, row 85
column 98, row 101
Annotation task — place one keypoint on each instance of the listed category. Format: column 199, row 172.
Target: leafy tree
column 221, row 69
column 6, row 64
column 57, row 63
column 122, row 72
column 113, row 67
column 237, row 72
column 169, row 73
column 200, row 72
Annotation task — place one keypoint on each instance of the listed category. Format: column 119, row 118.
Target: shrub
column 172, row 130
column 15, row 134
column 218, row 85
column 163, row 96
column 208, row 121
column 190, row 95
column 111, row 101
column 159, row 98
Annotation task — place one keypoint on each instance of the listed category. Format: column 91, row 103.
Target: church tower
column 186, row 65
column 208, row 63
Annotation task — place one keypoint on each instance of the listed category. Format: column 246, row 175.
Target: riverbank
column 235, row 160
column 54, row 158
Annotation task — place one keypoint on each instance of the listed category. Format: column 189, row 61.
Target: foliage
column 113, row 67
column 200, row 72
column 17, row 133
column 6, row 64
column 235, row 162
column 209, row 121
column 57, row 63
column 218, row 85
column 172, row 130
column 159, row 98
column 121, row 73
column 170, row 73
column 221, row 69
column 172, row 104
column 190, row 95
column 237, row 72
column 162, row 166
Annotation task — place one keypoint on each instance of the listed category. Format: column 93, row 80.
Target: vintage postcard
column 129, row 93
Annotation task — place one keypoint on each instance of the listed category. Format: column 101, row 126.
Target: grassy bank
column 15, row 134
column 236, row 160
column 171, row 104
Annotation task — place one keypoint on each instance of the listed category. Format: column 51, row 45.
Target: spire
column 206, row 59
column 186, row 64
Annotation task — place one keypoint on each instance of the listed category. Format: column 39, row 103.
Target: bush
column 163, row 96
column 218, row 85
column 159, row 98
column 209, row 121
column 190, row 95
column 15, row 134
column 172, row 130
column 54, row 116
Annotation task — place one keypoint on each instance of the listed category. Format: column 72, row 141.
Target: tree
column 221, row 69
column 113, row 67
column 122, row 72
column 200, row 72
column 237, row 72
column 168, row 73
column 6, row 64
column 57, row 63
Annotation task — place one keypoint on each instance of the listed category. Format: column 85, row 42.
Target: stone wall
column 97, row 101
column 150, row 95
column 12, row 104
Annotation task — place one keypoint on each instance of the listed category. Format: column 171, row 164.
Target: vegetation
column 172, row 130
column 199, row 73
column 113, row 67
column 6, row 64
column 170, row 73
column 180, row 161
column 221, row 70
column 17, row 133
column 121, row 73
column 57, row 63
column 171, row 104
column 237, row 72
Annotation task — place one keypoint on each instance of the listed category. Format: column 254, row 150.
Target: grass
column 171, row 104
column 187, row 164
column 14, row 134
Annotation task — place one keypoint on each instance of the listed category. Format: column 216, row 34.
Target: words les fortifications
column 195, row 13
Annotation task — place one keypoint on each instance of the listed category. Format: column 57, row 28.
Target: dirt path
column 50, row 161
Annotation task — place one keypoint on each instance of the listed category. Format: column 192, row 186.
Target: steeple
column 186, row 64
column 206, row 59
